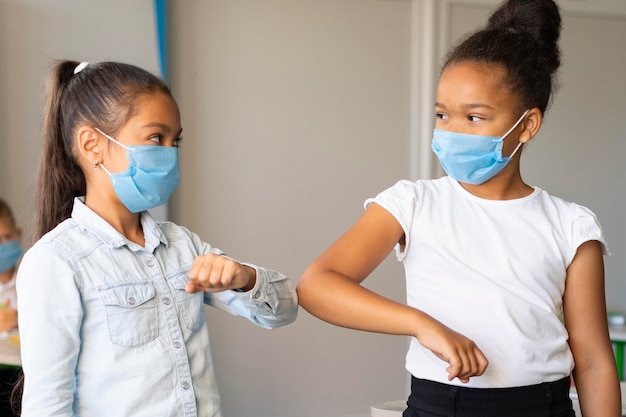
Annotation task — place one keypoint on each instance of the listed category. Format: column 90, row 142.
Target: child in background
column 10, row 252
column 111, row 302
column 505, row 283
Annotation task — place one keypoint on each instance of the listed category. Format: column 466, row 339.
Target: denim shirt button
column 177, row 345
column 186, row 385
column 131, row 301
column 256, row 295
column 150, row 262
column 167, row 301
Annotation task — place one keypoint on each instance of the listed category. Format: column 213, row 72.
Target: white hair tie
column 80, row 67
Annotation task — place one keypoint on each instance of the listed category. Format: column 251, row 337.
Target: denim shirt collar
column 89, row 220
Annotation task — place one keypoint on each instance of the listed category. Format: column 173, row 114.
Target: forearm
column 598, row 390
column 331, row 290
column 8, row 319
column 343, row 302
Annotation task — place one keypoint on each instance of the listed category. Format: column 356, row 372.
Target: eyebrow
column 163, row 126
column 469, row 106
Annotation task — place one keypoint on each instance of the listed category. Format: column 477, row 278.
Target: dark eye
column 177, row 141
column 156, row 139
column 473, row 118
column 441, row 116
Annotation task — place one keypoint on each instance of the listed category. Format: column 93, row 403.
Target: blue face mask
column 472, row 159
column 151, row 177
column 10, row 252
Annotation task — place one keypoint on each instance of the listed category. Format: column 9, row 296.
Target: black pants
column 434, row 399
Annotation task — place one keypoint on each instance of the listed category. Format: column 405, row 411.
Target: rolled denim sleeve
column 270, row 304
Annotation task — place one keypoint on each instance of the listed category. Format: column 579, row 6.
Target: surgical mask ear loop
column 101, row 165
column 112, row 140
column 510, row 130
column 126, row 147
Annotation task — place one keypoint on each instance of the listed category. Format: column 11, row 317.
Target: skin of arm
column 8, row 318
column 595, row 372
column 330, row 290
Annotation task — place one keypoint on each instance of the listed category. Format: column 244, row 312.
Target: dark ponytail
column 522, row 36
column 60, row 177
column 100, row 95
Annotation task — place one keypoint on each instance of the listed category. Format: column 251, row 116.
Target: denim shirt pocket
column 191, row 306
column 131, row 311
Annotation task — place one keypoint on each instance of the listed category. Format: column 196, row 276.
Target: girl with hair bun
column 111, row 302
column 505, row 282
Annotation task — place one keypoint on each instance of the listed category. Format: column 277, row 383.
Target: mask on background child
column 10, row 252
column 473, row 159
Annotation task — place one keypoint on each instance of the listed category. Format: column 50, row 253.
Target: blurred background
column 294, row 112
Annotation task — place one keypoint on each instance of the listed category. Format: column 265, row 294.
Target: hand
column 465, row 358
column 8, row 318
column 215, row 273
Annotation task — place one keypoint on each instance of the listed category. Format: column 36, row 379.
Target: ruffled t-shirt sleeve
column 586, row 227
column 400, row 201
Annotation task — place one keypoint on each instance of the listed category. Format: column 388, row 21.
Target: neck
column 116, row 214
column 128, row 225
column 507, row 185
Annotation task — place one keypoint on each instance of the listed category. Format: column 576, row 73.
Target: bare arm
column 595, row 372
column 8, row 318
column 330, row 290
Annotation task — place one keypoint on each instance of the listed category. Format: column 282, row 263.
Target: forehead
column 468, row 83
column 155, row 107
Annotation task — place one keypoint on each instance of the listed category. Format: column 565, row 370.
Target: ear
column 531, row 125
column 89, row 145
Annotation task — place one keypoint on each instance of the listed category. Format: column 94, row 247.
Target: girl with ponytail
column 505, row 282
column 110, row 301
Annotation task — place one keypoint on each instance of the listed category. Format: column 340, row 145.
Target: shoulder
column 174, row 231
column 60, row 230
column 53, row 258
column 182, row 239
column 415, row 190
column 578, row 222
column 406, row 198
column 567, row 209
column 66, row 238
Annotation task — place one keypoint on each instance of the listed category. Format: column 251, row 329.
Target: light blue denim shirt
column 108, row 330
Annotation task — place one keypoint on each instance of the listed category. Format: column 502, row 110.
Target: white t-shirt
column 492, row 270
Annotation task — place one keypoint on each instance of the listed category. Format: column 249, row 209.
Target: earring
column 96, row 164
